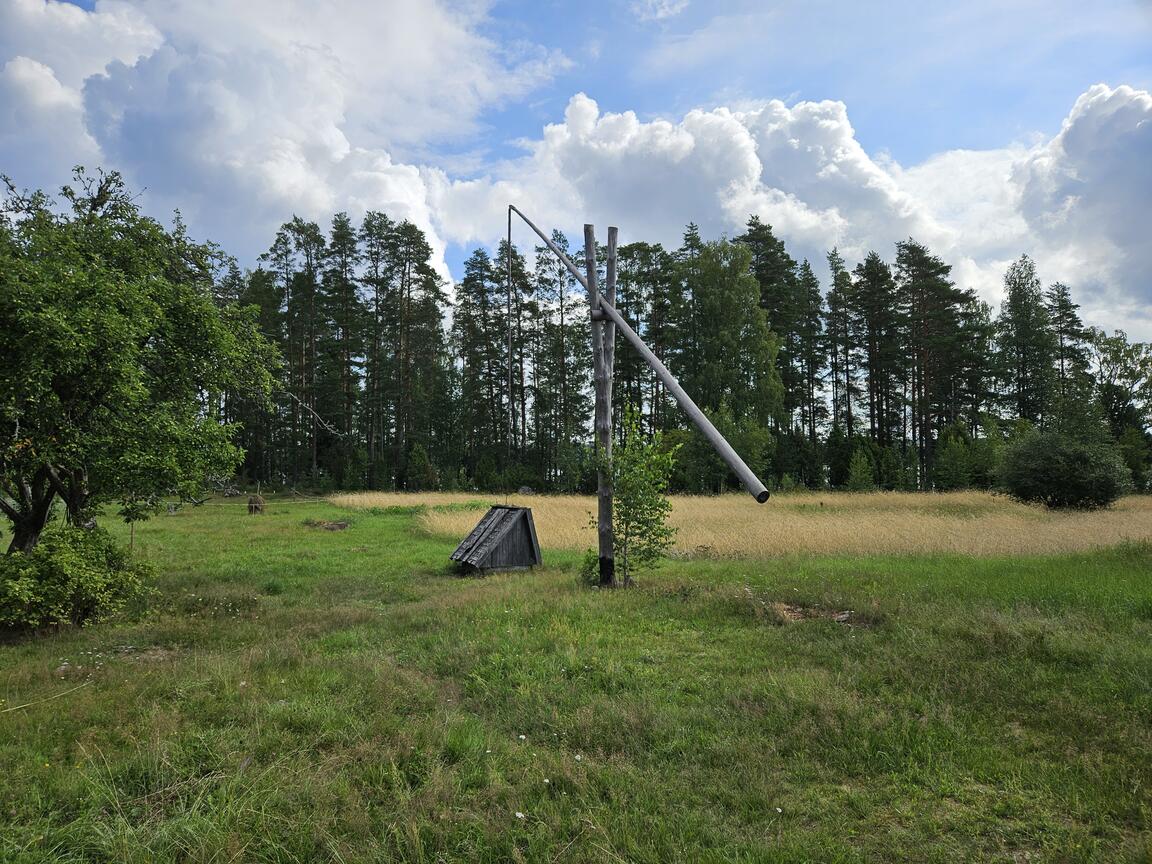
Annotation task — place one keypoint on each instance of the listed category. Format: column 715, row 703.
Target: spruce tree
column 783, row 299
column 1071, row 354
column 861, row 473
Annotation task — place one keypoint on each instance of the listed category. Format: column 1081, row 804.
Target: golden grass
column 969, row 523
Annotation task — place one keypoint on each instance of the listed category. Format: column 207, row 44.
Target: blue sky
column 918, row 77
column 985, row 129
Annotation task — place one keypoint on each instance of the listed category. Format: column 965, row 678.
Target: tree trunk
column 29, row 511
column 76, row 497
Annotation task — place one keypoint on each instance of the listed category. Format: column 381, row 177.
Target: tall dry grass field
column 969, row 523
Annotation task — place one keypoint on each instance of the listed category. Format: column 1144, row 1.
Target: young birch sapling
column 641, row 469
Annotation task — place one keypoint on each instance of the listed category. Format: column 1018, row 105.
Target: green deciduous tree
column 116, row 358
column 641, row 469
column 952, row 467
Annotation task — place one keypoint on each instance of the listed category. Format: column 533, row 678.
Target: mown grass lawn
column 299, row 694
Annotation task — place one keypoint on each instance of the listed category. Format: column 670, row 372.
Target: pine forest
column 892, row 376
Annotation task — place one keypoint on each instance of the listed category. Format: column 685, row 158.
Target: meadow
column 837, row 523
column 824, row 678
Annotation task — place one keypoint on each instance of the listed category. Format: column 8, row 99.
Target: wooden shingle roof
column 505, row 539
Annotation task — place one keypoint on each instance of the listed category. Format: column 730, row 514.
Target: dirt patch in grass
column 787, row 613
column 778, row 612
column 327, row 525
column 148, row 654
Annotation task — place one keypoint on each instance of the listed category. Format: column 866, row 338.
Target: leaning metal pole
column 747, row 477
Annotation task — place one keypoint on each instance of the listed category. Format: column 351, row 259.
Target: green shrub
column 1061, row 472
column 641, row 470
column 73, row 576
column 590, row 568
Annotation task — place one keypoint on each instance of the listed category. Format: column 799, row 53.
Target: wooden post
column 603, row 420
column 609, row 324
column 610, row 372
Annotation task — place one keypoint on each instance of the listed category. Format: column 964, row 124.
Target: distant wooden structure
column 505, row 539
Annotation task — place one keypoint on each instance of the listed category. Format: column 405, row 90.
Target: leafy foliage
column 73, row 576
column 116, row 358
column 698, row 467
column 1060, row 472
column 641, row 469
column 953, row 464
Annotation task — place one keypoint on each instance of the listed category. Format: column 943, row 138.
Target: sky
column 982, row 129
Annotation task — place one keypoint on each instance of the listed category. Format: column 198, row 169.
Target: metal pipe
column 564, row 259
column 722, row 447
column 719, row 443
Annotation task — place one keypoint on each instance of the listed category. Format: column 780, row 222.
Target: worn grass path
column 308, row 695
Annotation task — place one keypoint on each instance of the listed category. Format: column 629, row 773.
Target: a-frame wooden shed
column 505, row 539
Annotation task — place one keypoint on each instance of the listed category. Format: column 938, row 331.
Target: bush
column 1061, row 472
column 73, row 576
column 590, row 568
column 641, row 469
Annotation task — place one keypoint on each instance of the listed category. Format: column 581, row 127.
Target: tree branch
column 57, row 483
column 324, row 423
column 9, row 511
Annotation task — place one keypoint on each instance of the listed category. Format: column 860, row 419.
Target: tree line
column 891, row 376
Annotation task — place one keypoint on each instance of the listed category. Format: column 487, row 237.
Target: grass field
column 730, row 526
column 301, row 694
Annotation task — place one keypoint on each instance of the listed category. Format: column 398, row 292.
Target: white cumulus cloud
column 1078, row 202
column 242, row 114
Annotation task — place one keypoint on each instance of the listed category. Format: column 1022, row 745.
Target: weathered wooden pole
column 609, row 324
column 602, row 383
